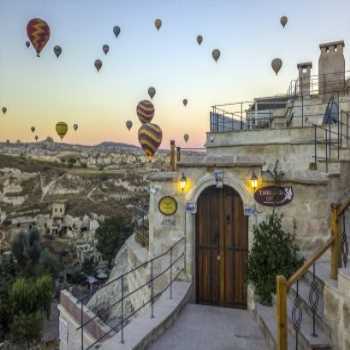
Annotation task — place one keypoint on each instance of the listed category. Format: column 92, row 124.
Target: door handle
column 218, row 258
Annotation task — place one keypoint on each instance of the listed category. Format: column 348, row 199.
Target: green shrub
column 274, row 252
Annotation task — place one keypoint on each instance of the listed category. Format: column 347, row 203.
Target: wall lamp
column 183, row 182
column 253, row 181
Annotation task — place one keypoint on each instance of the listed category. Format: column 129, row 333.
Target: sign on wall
column 274, row 196
column 167, row 205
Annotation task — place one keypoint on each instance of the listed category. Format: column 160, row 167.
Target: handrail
column 309, row 262
column 283, row 285
column 149, row 283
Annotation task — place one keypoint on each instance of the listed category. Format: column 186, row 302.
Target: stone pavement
column 201, row 327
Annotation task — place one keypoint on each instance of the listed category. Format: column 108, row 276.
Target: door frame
column 221, row 278
column 201, row 184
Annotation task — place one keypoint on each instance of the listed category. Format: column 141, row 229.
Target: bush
column 274, row 252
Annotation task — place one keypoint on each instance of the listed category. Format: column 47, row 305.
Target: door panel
column 221, row 248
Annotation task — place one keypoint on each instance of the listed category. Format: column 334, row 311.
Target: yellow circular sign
column 168, row 205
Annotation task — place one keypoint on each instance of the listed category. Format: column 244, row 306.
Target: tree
column 26, row 249
column 25, row 329
column 274, row 252
column 111, row 235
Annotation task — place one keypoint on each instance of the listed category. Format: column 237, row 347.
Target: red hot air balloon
column 98, row 65
column 150, row 138
column 38, row 33
column 105, row 49
column 145, row 111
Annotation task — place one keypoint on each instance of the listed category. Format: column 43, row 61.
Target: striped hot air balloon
column 38, row 33
column 145, row 111
column 61, row 129
column 150, row 138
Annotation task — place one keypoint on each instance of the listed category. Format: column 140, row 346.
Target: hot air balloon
column 284, row 21
column 184, row 102
column 75, row 127
column 32, row 128
column 158, row 23
column 199, row 39
column 116, row 31
column 4, row 110
column 128, row 124
column 61, row 129
column 150, row 138
column 105, row 49
column 98, row 65
column 145, row 111
column 36, row 137
column 151, row 92
column 186, row 137
column 28, row 44
column 216, row 54
column 276, row 65
column 57, row 50
column 38, row 33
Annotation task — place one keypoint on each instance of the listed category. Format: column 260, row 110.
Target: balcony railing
column 331, row 83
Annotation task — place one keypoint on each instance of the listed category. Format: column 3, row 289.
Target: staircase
column 266, row 316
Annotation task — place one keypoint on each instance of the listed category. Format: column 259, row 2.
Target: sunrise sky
column 42, row 91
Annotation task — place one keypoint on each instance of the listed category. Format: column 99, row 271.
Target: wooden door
column 221, row 248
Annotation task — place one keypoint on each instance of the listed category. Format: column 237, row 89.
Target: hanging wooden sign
column 168, row 205
column 274, row 196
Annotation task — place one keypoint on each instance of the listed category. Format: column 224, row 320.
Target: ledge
column 143, row 330
column 163, row 176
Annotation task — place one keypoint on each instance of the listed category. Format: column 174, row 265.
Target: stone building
column 290, row 153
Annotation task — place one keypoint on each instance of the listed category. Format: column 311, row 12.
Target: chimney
column 304, row 78
column 331, row 69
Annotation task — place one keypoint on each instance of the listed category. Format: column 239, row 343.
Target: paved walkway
column 201, row 327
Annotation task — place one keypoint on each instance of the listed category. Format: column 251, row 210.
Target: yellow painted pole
column 335, row 250
column 281, row 313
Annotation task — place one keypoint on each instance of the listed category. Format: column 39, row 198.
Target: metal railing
column 175, row 266
column 330, row 83
column 339, row 246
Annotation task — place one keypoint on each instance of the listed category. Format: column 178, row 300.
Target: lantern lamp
column 183, row 182
column 254, row 182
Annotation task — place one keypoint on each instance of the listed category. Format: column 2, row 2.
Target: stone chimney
column 331, row 68
column 304, row 78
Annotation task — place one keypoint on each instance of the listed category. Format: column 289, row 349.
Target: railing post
column 281, row 313
column 172, row 156
column 81, row 324
column 122, row 311
column 152, row 290
column 171, row 273
column 335, row 251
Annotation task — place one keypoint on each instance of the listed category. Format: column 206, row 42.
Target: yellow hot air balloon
column 61, row 129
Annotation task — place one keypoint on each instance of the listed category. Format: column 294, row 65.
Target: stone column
column 304, row 78
column 331, row 67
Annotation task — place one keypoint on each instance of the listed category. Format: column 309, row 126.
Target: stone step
column 304, row 292
column 265, row 317
column 306, row 341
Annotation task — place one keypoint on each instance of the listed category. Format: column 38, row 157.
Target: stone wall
column 337, row 310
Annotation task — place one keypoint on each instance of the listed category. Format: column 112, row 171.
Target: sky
column 41, row 91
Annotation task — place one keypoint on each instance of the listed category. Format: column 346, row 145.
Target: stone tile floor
column 212, row 328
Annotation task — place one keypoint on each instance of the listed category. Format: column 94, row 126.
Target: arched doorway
column 221, row 248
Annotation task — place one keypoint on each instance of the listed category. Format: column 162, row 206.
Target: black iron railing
column 173, row 268
column 344, row 221
column 333, row 139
